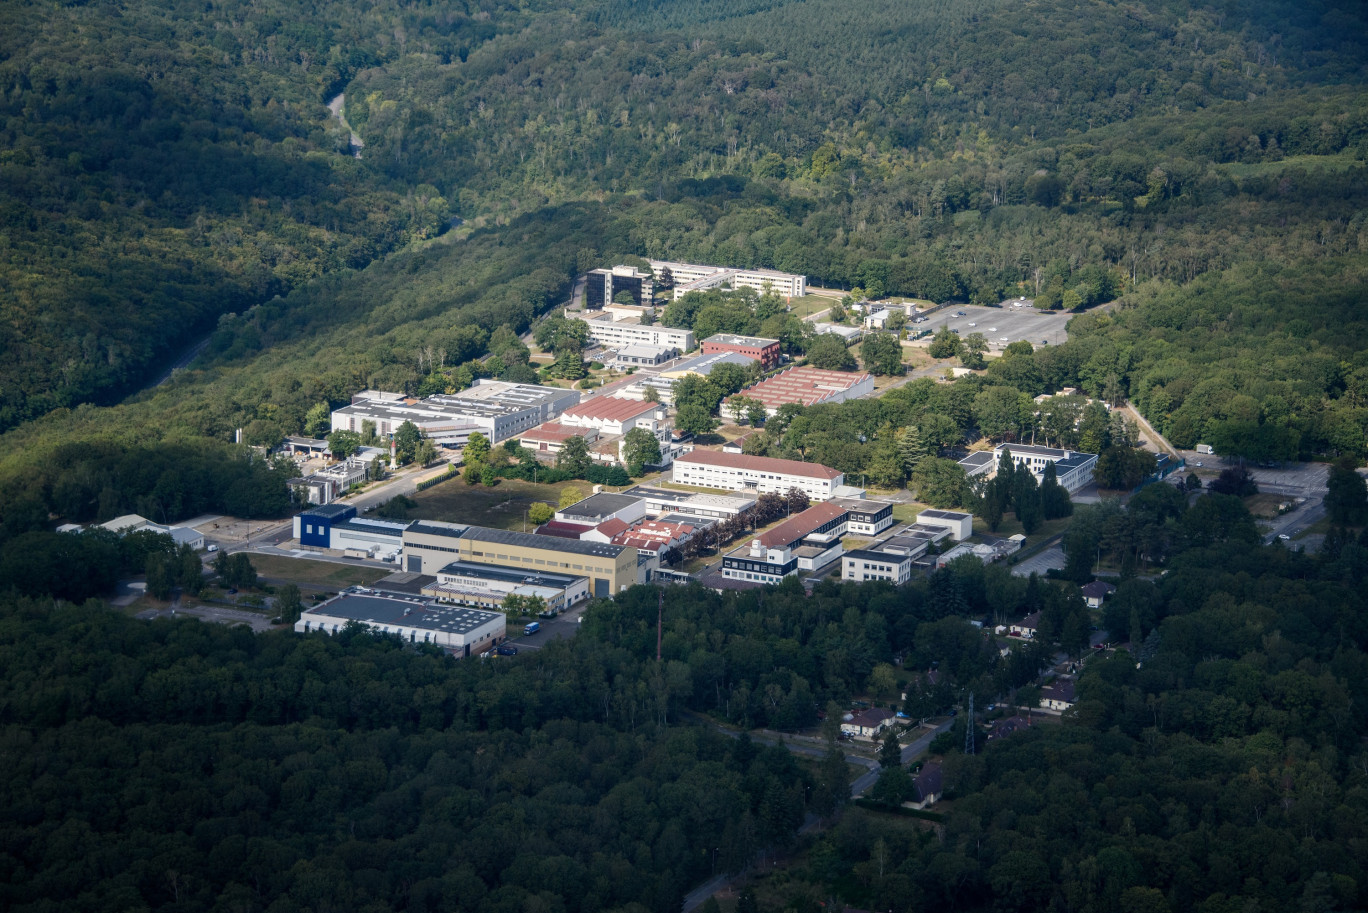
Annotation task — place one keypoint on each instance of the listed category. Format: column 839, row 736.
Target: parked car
column 961, row 314
column 506, row 650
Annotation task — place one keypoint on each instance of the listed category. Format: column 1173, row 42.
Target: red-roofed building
column 612, row 415
column 807, row 541
column 605, row 531
column 809, row 386
column 738, row 472
column 562, row 530
column 655, row 536
column 551, row 437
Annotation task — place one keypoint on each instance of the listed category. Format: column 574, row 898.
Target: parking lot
column 1001, row 326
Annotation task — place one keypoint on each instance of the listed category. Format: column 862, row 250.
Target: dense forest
column 179, row 765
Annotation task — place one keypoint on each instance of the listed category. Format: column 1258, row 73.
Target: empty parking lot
column 1002, row 326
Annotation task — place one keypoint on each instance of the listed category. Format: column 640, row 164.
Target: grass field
column 500, row 507
column 1265, row 505
column 1010, row 527
column 811, row 304
column 305, row 572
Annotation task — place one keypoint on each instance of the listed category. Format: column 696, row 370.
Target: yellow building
column 431, row 546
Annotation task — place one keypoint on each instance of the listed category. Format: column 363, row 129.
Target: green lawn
column 306, row 572
column 1010, row 527
column 500, row 507
column 905, row 513
column 810, row 304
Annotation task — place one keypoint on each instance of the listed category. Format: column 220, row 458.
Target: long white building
column 497, row 409
column 618, row 334
column 695, row 277
column 738, row 472
column 462, row 631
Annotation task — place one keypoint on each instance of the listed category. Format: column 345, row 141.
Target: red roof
column 562, row 530
column 611, row 528
column 553, row 432
column 610, row 409
column 759, row 464
column 799, row 525
column 805, row 384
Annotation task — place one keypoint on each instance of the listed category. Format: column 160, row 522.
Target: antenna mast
column 969, row 727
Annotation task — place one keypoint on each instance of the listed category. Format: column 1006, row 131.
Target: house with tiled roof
column 738, row 472
column 868, row 724
column 1059, row 695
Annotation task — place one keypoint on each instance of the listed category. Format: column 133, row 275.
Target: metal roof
column 376, row 609
column 602, row 504
column 542, row 543
column 437, row 528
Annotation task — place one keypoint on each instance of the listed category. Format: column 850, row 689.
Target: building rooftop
column 732, row 339
column 374, row 527
column 437, row 528
column 800, row 525
column 641, row 350
column 610, row 409
column 406, row 583
column 1097, row 589
column 376, row 609
column 562, row 530
column 544, row 543
column 329, row 510
column 759, row 464
column 945, row 514
column 703, row 364
column 863, row 506
column 555, row 432
column 866, row 554
column 805, row 384
column 739, row 501
column 503, row 574
column 603, row 504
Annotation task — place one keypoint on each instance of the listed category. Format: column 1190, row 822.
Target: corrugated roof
column 610, row 409
column 805, row 384
column 759, row 464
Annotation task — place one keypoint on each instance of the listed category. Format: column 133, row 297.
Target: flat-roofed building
column 610, row 568
column 461, row 631
column 618, row 334
column 960, row 524
column 864, row 564
column 865, row 517
column 551, row 437
column 696, row 277
column 700, row 365
column 603, row 507
column 638, row 355
column 808, row 386
column 738, row 472
column 601, row 286
column 1073, row 468
column 765, row 351
column 661, row 502
column 488, row 585
column 497, row 409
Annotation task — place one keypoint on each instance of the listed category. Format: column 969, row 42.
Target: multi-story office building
column 630, row 331
column 601, row 286
column 691, row 277
column 1073, row 468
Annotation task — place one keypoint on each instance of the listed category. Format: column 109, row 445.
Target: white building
column 960, row 524
column 662, row 501
column 694, row 277
column 488, row 585
column 638, row 355
column 612, row 415
column 1073, row 468
column 459, row 630
column 738, row 472
column 497, row 409
column 868, row 724
column 618, row 334
column 893, row 565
